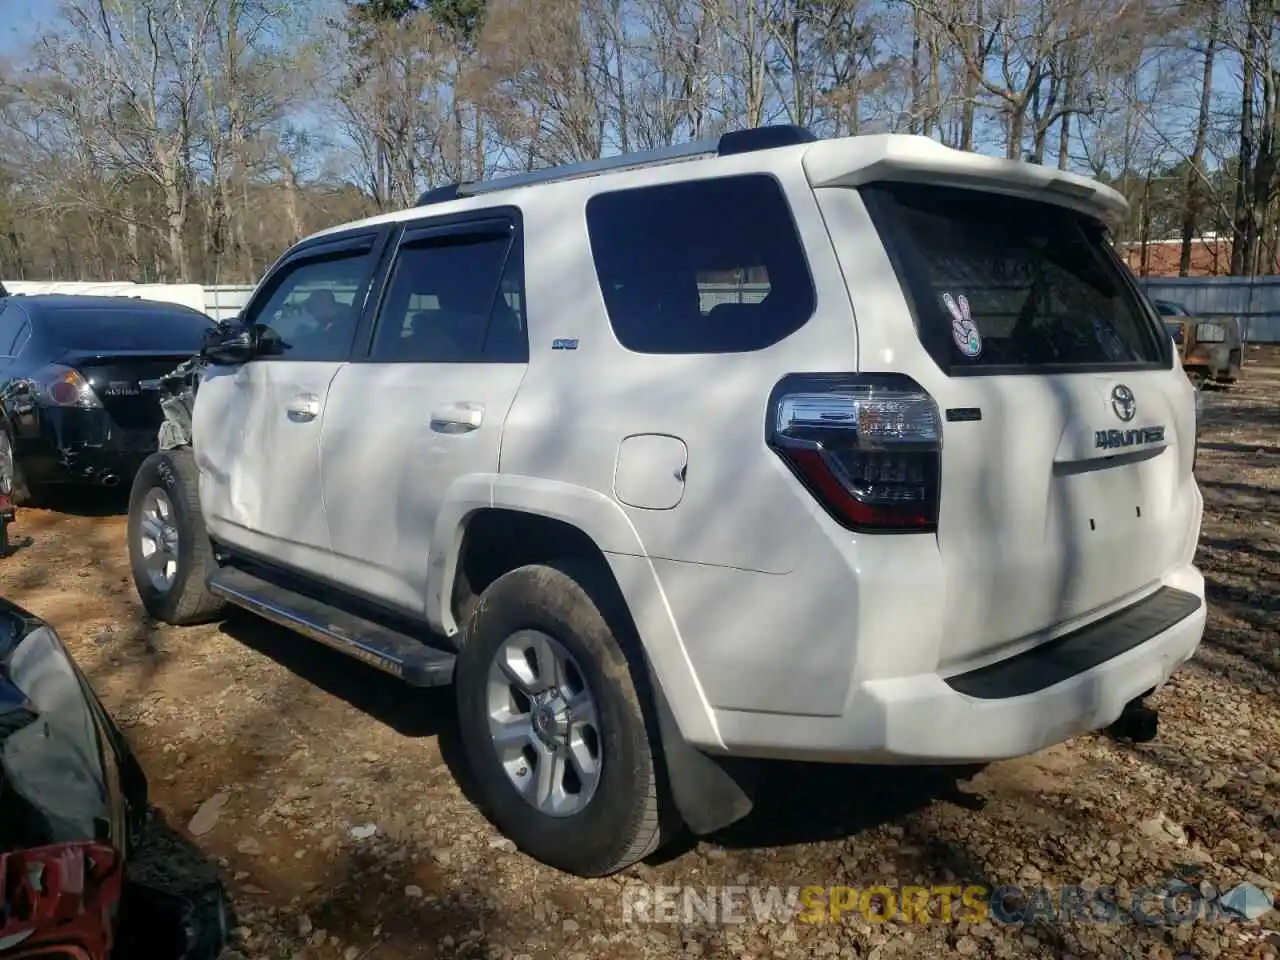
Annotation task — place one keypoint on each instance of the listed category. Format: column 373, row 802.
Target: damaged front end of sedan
column 73, row 808
column 178, row 400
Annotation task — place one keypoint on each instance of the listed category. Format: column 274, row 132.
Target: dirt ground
column 333, row 805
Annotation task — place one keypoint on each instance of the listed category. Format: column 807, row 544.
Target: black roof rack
column 729, row 144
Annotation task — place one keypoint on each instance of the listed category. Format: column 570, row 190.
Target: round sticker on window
column 963, row 330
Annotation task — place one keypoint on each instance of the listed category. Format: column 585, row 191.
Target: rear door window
column 700, row 266
column 454, row 298
column 1008, row 285
column 106, row 330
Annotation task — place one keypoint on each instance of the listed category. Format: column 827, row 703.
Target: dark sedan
column 79, row 385
column 73, row 812
column 72, row 798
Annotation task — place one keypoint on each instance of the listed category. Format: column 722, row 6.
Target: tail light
column 59, row 902
column 62, row 386
column 867, row 446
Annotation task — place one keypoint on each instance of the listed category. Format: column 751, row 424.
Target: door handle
column 304, row 407
column 458, row 418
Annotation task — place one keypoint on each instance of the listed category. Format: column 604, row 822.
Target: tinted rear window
column 1013, row 284
column 701, row 266
column 110, row 330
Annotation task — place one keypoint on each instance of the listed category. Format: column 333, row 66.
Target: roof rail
column 735, row 142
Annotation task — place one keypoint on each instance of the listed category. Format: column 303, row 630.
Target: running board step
column 380, row 647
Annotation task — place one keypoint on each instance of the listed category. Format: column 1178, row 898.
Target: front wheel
column 169, row 550
column 12, row 481
column 554, row 726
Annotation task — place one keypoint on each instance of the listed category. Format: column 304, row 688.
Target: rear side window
column 1210, row 333
column 701, row 266
column 1002, row 284
column 86, row 328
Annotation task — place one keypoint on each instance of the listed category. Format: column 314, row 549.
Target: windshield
column 1040, row 290
column 115, row 330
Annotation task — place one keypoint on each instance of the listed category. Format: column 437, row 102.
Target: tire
column 624, row 816
column 179, row 596
column 19, row 491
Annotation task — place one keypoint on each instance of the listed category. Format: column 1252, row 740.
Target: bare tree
column 1196, row 168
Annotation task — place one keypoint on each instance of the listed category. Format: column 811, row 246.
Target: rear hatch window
column 114, row 330
column 1007, row 285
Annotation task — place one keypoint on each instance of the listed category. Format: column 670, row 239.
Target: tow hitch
column 1137, row 723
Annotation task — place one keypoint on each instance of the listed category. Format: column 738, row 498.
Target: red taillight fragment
column 60, row 898
column 867, row 446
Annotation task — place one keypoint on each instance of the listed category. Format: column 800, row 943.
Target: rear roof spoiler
column 855, row 161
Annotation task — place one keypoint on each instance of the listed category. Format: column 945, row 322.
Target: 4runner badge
column 1116, row 439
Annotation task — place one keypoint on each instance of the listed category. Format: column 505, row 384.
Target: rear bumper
column 81, row 446
column 924, row 718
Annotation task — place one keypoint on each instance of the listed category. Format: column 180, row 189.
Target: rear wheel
column 554, row 726
column 169, row 550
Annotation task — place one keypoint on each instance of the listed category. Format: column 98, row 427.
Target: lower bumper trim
column 1078, row 651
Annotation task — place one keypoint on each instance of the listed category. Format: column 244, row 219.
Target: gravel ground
column 332, row 804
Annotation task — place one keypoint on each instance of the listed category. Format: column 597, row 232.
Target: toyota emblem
column 1123, row 403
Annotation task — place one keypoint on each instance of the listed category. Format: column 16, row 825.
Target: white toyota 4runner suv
column 849, row 450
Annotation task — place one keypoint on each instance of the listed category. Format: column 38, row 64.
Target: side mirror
column 229, row 344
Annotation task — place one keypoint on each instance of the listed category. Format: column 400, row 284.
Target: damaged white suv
column 852, row 450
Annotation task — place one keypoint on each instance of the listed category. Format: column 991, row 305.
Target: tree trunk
column 1145, row 227
column 619, row 45
column 1196, row 173
column 933, row 97
column 913, row 118
column 175, row 201
column 971, row 80
column 1017, row 121
column 1264, row 169
column 297, row 229
column 1242, row 228
column 1068, row 104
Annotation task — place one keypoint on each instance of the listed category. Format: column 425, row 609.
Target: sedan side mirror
column 229, row 344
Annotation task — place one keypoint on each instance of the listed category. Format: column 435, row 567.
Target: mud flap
column 710, row 793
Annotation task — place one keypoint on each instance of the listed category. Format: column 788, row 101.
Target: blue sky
column 18, row 22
